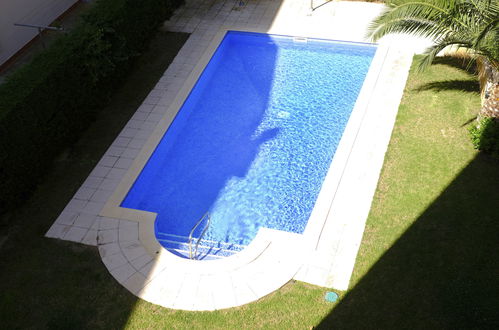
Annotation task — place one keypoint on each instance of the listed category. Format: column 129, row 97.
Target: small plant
column 485, row 136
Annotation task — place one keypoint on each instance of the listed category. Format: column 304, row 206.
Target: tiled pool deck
column 325, row 254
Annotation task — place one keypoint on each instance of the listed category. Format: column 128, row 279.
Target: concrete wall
column 37, row 12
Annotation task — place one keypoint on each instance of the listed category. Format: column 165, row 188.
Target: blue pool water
column 254, row 140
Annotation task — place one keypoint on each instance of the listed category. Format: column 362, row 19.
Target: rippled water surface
column 255, row 138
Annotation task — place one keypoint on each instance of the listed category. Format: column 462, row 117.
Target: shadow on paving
column 54, row 284
column 443, row 271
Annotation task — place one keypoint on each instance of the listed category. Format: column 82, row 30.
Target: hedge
column 485, row 136
column 45, row 105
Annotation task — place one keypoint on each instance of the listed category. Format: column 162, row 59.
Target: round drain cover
column 331, row 296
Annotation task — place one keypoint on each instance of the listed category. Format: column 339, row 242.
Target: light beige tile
column 123, row 273
column 85, row 220
column 57, row 231
column 135, row 282
column 141, row 261
column 107, row 236
column 114, row 261
column 90, row 238
column 75, row 234
column 109, row 249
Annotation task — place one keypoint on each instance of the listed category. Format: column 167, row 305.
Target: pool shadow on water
column 214, row 138
column 443, row 271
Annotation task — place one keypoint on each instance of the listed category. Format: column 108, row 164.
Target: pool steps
column 207, row 249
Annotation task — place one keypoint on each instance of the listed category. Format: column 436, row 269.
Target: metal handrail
column 207, row 214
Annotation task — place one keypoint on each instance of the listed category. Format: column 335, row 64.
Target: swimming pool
column 253, row 141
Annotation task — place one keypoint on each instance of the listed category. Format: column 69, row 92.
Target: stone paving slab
column 326, row 253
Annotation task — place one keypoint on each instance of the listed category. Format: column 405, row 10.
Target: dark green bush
column 485, row 136
column 45, row 105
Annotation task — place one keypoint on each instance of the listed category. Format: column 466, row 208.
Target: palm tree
column 471, row 26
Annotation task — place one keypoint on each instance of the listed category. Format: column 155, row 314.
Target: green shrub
column 485, row 136
column 45, row 105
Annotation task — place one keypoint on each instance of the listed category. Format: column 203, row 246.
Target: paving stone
column 123, row 273
column 137, row 143
column 121, row 141
column 151, row 100
column 147, row 269
column 129, row 224
column 123, row 163
column 130, row 153
column 90, row 238
column 135, row 282
column 108, row 223
column 133, row 123
column 109, row 184
column 85, row 220
column 185, row 296
column 146, row 107
column 101, row 195
column 108, row 161
column 117, row 172
column 204, row 295
column 128, row 234
column 57, row 231
column 114, row 261
column 115, row 151
column 154, row 117
column 128, row 132
column 141, row 261
column 145, row 134
column 75, row 205
column 92, row 182
column 100, row 171
column 66, row 218
column 106, row 250
column 75, row 234
column 133, row 250
column 140, row 116
column 84, row 193
column 93, row 207
column 107, row 236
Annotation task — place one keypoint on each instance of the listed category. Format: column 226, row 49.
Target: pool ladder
column 205, row 216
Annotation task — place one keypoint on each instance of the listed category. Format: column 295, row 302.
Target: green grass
column 429, row 252
column 428, row 257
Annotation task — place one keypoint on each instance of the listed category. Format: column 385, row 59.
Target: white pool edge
column 309, row 243
column 251, row 274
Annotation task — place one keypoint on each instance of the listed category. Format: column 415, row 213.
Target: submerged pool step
column 207, row 249
column 203, row 252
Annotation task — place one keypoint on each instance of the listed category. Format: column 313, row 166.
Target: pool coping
column 318, row 216
column 275, row 255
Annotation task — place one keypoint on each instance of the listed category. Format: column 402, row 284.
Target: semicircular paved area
column 269, row 262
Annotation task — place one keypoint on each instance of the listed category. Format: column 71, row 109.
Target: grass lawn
column 428, row 257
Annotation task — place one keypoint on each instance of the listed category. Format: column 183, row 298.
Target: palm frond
column 470, row 24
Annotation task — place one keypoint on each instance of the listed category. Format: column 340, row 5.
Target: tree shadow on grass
column 462, row 64
column 468, row 86
column 442, row 273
